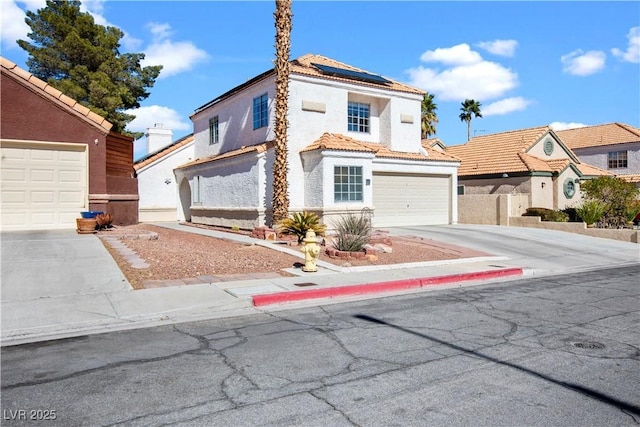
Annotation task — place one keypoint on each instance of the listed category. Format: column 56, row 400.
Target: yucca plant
column 591, row 211
column 352, row 233
column 300, row 222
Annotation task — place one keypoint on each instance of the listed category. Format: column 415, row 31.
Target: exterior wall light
column 167, row 181
column 505, row 175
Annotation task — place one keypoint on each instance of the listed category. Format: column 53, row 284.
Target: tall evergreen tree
column 283, row 18
column 429, row 118
column 82, row 59
column 470, row 107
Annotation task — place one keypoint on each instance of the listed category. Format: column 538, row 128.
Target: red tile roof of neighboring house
column 630, row 177
column 37, row 85
column 260, row 148
column 152, row 157
column 599, row 135
column 338, row 142
column 506, row 152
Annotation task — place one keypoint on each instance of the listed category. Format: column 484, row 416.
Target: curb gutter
column 369, row 288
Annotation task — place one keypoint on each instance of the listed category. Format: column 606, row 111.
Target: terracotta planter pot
column 86, row 225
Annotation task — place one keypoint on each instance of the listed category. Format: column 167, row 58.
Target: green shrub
column 616, row 193
column 633, row 209
column 547, row 214
column 300, row 222
column 591, row 211
column 572, row 214
column 352, row 233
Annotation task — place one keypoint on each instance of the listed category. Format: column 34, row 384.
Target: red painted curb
column 370, row 288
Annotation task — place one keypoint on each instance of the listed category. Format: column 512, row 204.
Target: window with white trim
column 617, row 159
column 214, row 130
column 260, row 111
column 347, row 184
column 358, row 117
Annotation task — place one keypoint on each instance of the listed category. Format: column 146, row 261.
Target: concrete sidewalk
column 58, row 284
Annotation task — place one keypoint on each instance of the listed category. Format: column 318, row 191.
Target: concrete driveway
column 546, row 251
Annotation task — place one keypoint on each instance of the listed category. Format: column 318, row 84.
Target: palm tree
column 282, row 17
column 428, row 118
column 469, row 107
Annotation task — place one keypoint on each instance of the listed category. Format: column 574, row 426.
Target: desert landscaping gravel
column 179, row 254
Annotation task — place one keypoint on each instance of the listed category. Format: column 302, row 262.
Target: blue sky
column 528, row 63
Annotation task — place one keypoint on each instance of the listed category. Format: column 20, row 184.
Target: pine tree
column 82, row 59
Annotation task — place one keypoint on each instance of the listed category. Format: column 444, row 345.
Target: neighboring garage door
column 410, row 199
column 44, row 186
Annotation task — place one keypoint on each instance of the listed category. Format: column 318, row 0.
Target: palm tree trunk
column 282, row 67
column 469, row 129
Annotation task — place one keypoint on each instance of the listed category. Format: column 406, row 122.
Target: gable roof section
column 44, row 89
column 500, row 153
column 599, row 135
column 163, row 152
column 260, row 148
column 338, row 142
column 304, row 66
column 508, row 152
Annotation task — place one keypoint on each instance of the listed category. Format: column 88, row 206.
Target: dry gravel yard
column 179, row 254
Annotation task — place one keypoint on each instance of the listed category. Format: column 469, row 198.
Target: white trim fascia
column 161, row 159
column 346, row 154
column 386, row 160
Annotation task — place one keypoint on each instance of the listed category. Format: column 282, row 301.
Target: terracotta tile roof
column 260, row 148
column 500, row 153
column 589, row 170
column 600, row 135
column 338, row 142
column 630, row 177
column 37, row 85
column 152, row 157
column 302, row 65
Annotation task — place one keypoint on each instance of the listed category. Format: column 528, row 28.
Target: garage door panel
column 43, row 187
column 410, row 199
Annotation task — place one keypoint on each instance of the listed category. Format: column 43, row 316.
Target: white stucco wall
column 159, row 199
column 561, row 201
column 558, row 152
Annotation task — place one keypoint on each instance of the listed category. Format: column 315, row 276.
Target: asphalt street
column 558, row 350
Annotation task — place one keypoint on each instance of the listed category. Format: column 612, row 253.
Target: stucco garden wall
column 626, row 235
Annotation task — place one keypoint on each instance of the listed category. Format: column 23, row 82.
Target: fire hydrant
column 311, row 249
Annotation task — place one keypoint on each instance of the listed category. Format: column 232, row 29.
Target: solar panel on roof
column 350, row 74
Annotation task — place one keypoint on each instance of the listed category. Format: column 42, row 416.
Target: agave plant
column 300, row 222
column 591, row 211
column 352, row 233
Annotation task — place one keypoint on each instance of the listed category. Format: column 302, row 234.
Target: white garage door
column 44, row 186
column 410, row 199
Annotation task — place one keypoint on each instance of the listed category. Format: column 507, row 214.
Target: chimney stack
column 158, row 138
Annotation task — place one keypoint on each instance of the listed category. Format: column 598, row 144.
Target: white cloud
column 146, row 117
column 505, row 106
column 632, row 54
column 580, row 63
column 566, row 125
column 12, row 23
column 500, row 47
column 481, row 81
column 457, row 55
column 175, row 57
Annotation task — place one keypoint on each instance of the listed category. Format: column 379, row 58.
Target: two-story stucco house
column 614, row 147
column 353, row 144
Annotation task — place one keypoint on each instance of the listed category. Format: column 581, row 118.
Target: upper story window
column 358, row 117
column 347, row 183
column 617, row 159
column 260, row 111
column 214, row 131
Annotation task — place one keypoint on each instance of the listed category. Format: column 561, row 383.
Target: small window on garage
column 347, row 184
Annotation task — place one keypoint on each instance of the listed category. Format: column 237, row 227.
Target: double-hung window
column 347, row 183
column 617, row 159
column 214, row 131
column 358, row 117
column 260, row 111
